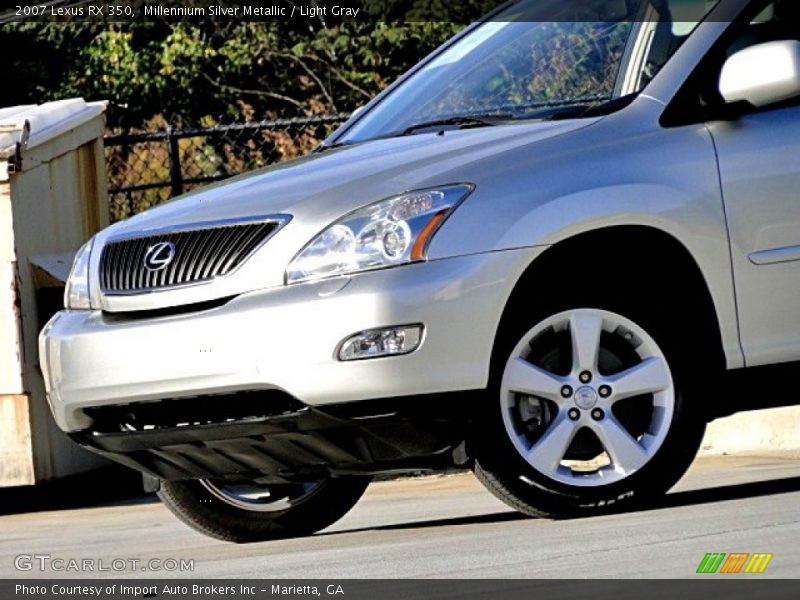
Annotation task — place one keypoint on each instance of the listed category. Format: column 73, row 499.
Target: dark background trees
column 194, row 71
column 204, row 74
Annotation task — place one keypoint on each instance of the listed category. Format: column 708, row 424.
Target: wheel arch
column 583, row 259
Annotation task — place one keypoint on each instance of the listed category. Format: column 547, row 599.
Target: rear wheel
column 592, row 411
column 250, row 513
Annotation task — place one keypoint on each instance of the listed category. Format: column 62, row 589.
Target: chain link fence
column 148, row 167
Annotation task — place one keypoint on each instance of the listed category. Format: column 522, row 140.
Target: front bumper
column 285, row 339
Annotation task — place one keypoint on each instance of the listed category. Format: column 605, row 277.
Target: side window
column 780, row 20
column 666, row 25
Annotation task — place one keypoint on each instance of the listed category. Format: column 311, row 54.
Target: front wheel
column 251, row 513
column 592, row 411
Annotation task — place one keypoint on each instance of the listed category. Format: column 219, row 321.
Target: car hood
column 322, row 187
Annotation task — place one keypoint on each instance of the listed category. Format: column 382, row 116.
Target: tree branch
column 311, row 74
column 340, row 76
column 260, row 93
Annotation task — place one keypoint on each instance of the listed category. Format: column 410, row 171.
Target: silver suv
column 544, row 254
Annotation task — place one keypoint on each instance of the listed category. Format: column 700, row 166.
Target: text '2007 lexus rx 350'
column 549, row 253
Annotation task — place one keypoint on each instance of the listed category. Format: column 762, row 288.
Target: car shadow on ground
column 713, row 495
column 121, row 487
column 738, row 491
column 111, row 485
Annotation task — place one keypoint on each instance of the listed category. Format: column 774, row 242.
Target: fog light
column 392, row 341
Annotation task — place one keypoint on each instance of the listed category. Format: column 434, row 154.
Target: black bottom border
column 704, row 587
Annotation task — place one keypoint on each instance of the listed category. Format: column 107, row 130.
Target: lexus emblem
column 159, row 256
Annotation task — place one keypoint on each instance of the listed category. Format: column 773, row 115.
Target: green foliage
column 190, row 71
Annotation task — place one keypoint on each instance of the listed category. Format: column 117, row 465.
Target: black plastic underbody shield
column 270, row 437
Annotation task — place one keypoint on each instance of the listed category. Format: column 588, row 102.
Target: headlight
column 76, row 293
column 391, row 232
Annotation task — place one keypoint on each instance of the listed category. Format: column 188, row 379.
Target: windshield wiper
column 324, row 147
column 462, row 122
column 580, row 110
column 559, row 109
column 553, row 111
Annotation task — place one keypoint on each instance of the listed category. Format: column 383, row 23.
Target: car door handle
column 774, row 256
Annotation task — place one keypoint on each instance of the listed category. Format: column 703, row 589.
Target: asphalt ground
column 443, row 527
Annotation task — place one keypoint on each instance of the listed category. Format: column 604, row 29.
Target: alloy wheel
column 587, row 397
column 261, row 498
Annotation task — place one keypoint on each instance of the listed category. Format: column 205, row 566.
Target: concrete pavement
column 451, row 527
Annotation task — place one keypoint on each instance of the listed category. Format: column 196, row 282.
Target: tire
column 594, row 411
column 240, row 514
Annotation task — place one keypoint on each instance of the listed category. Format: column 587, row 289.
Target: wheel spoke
column 549, row 450
column 625, row 452
column 258, row 498
column 585, row 397
column 649, row 376
column 523, row 377
column 585, row 329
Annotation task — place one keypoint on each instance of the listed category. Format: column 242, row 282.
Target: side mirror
column 762, row 75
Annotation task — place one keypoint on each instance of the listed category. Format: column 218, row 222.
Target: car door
column 759, row 162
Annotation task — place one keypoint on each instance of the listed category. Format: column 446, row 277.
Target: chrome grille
column 200, row 254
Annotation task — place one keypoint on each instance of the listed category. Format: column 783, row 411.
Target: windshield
column 509, row 69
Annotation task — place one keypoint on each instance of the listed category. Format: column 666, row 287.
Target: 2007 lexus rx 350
column 543, row 254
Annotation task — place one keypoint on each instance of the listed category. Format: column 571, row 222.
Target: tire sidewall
column 199, row 508
column 497, row 456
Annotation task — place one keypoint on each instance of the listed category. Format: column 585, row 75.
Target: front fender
column 616, row 173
